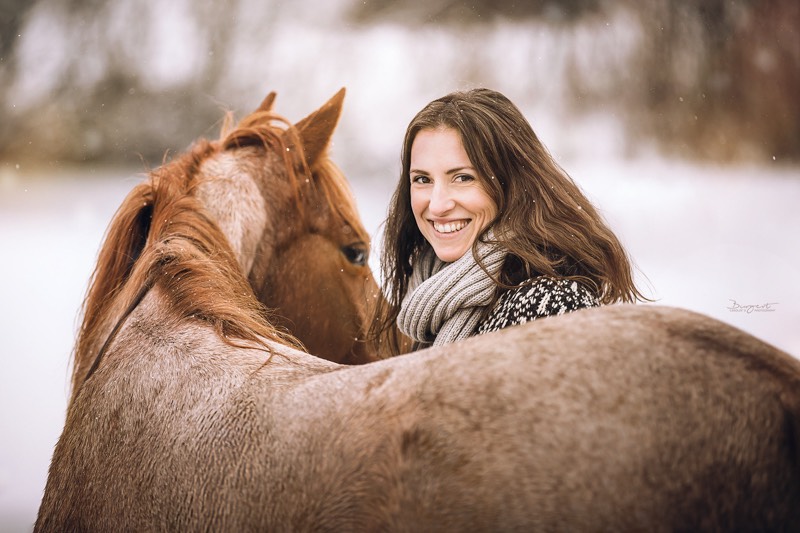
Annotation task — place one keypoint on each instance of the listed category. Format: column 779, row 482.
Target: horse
column 317, row 281
column 199, row 413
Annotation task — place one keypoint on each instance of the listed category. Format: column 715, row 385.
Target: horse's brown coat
column 622, row 418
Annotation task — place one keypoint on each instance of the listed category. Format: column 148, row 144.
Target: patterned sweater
column 544, row 297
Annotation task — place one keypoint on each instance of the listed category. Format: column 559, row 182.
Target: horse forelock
column 162, row 235
column 268, row 130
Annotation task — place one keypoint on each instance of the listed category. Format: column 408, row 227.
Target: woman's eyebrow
column 451, row 171
column 459, row 169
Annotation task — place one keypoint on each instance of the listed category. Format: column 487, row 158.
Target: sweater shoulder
column 541, row 297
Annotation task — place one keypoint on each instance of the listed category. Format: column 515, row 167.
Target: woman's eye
column 420, row 179
column 463, row 178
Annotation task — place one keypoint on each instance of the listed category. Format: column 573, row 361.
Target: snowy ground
column 704, row 237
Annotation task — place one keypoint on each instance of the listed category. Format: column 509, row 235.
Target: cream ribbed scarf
column 445, row 301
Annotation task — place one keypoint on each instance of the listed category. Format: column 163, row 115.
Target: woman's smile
column 449, row 227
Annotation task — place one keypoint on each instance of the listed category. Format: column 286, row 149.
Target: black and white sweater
column 544, row 297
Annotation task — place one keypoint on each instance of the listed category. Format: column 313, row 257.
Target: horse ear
column 315, row 131
column 266, row 104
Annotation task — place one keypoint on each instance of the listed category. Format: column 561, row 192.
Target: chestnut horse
column 196, row 413
column 289, row 216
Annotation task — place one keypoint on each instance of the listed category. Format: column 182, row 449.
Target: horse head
column 290, row 217
column 275, row 209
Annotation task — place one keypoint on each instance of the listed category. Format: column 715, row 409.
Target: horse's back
column 630, row 416
column 623, row 418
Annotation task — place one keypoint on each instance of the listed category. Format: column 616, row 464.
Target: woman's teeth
column 450, row 227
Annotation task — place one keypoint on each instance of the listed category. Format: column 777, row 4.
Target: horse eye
column 357, row 254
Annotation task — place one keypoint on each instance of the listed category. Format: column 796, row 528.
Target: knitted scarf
column 445, row 301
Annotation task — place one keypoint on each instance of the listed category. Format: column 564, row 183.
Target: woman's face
column 449, row 202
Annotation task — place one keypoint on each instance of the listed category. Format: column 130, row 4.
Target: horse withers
column 191, row 410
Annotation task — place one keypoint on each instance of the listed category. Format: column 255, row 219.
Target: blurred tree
column 12, row 18
column 473, row 11
column 12, row 15
column 103, row 103
column 714, row 79
column 720, row 78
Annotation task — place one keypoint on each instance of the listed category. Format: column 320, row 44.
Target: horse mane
column 161, row 235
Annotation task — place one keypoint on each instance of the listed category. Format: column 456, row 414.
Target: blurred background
column 680, row 119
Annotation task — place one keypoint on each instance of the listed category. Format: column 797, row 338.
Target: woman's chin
column 448, row 254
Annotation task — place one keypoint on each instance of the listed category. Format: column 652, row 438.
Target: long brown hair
column 544, row 220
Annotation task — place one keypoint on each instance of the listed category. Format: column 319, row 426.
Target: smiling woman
column 486, row 231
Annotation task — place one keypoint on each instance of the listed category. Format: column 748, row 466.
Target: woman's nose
column 442, row 200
